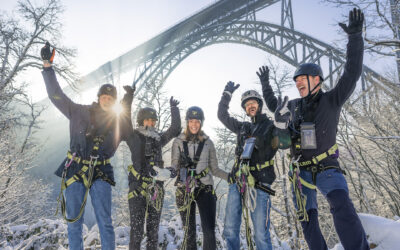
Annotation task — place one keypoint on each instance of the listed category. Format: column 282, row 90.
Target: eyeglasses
column 250, row 102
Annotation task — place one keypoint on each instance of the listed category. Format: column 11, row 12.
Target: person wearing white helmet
column 253, row 172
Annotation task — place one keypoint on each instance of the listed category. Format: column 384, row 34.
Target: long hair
column 200, row 136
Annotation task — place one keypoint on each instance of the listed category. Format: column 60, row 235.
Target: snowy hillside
column 52, row 234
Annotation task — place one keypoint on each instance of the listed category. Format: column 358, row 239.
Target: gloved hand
column 263, row 74
column 128, row 98
column 129, row 89
column 231, row 177
column 173, row 102
column 173, row 172
column 153, row 172
column 45, row 53
column 356, row 19
column 230, row 87
column 282, row 113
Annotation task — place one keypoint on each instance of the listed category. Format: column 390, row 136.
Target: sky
column 102, row 30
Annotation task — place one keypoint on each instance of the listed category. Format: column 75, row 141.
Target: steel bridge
column 229, row 21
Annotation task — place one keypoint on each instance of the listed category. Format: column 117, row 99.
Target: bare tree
column 370, row 136
column 382, row 26
column 21, row 37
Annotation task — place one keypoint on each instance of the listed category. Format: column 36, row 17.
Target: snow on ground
column 52, row 234
column 382, row 233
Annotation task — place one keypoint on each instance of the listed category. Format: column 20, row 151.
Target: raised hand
column 282, row 113
column 45, row 53
column 173, row 102
column 263, row 74
column 230, row 87
column 356, row 19
column 129, row 90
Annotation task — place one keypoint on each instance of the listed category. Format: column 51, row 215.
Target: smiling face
column 149, row 123
column 302, row 84
column 194, row 126
column 251, row 107
column 106, row 102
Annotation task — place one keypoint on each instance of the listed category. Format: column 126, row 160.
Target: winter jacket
column 266, row 134
column 79, row 126
column 137, row 139
column 208, row 158
column 323, row 108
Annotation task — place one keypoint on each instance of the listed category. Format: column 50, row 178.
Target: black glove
column 173, row 102
column 356, row 19
column 263, row 74
column 231, row 177
column 173, row 172
column 46, row 54
column 129, row 90
column 230, row 87
column 282, row 113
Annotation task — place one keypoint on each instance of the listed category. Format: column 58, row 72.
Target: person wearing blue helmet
column 193, row 155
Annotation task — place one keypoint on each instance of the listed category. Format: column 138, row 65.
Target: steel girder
column 295, row 49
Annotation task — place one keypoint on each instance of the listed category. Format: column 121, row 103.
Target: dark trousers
column 206, row 202
column 137, row 209
column 347, row 223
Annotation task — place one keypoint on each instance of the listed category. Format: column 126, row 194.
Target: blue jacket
column 80, row 124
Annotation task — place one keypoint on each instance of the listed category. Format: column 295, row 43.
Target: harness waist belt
column 86, row 162
column 316, row 159
column 260, row 167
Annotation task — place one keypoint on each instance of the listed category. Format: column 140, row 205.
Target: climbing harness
column 247, row 184
column 148, row 188
column 297, row 182
column 89, row 167
column 190, row 182
column 315, row 167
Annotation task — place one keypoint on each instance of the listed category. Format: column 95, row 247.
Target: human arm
column 175, row 127
column 54, row 91
column 175, row 154
column 213, row 163
column 281, row 135
column 268, row 93
column 354, row 59
column 125, row 118
column 223, row 115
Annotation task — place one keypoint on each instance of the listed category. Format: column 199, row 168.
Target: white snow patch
column 382, row 233
column 52, row 234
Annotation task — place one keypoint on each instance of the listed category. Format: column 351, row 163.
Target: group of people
column 307, row 125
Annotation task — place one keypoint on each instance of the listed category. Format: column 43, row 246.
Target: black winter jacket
column 265, row 132
column 137, row 142
column 323, row 108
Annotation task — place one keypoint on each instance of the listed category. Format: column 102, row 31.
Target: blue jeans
column 326, row 182
column 100, row 194
column 260, row 218
column 333, row 186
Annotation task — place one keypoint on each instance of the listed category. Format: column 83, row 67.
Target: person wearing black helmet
column 253, row 172
column 194, row 157
column 314, row 151
column 94, row 138
column 147, row 172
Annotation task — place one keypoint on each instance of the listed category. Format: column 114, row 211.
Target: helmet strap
column 309, row 86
